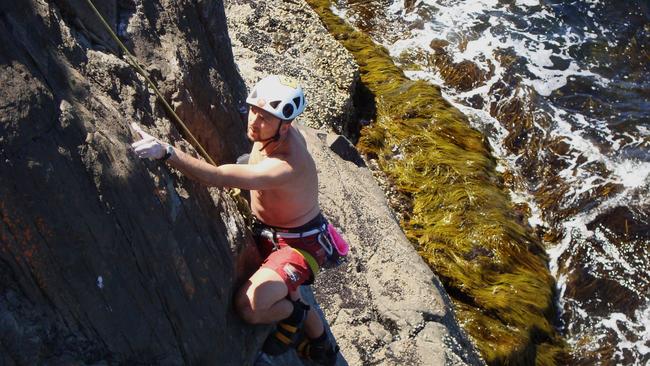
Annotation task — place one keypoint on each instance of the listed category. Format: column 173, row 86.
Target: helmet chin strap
column 273, row 138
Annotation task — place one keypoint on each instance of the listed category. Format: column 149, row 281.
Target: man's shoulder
column 298, row 155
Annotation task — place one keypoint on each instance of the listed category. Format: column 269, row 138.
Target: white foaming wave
column 576, row 230
column 561, row 284
column 419, row 39
column 482, row 50
column 450, row 19
column 450, row 23
column 535, row 218
column 433, row 78
column 629, row 173
column 527, row 2
column 446, row 24
column 574, row 173
column 640, row 330
column 548, row 81
column 632, row 174
column 613, row 258
column 533, row 49
column 610, row 258
column 339, row 12
column 478, row 119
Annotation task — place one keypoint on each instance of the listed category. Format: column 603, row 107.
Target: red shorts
column 288, row 261
column 290, row 265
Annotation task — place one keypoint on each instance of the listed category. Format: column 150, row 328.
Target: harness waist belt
column 269, row 233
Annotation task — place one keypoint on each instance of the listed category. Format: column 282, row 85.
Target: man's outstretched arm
column 268, row 174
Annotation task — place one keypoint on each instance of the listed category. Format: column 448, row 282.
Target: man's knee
column 262, row 291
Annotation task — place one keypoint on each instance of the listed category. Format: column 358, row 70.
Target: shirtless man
column 289, row 227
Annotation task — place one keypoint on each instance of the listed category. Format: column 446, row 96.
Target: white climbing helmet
column 282, row 95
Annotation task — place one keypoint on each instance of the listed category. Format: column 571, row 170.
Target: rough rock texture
column 104, row 258
column 385, row 306
column 286, row 37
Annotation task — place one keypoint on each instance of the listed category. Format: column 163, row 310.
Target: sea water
column 577, row 75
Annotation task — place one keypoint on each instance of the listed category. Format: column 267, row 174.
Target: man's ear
column 286, row 125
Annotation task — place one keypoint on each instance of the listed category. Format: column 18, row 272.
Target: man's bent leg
column 313, row 324
column 316, row 346
column 262, row 299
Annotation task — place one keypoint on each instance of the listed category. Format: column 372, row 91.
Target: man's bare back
column 296, row 202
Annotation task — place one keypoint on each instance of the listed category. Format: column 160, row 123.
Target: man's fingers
column 151, row 149
column 149, row 146
column 145, row 140
column 143, row 152
column 144, row 145
column 136, row 127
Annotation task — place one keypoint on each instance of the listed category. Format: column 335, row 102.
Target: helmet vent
column 287, row 111
column 278, row 95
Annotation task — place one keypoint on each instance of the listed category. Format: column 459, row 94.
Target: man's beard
column 254, row 139
column 258, row 137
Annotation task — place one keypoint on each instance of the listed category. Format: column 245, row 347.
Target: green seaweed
column 462, row 221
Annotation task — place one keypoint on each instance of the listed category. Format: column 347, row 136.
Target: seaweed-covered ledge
column 458, row 214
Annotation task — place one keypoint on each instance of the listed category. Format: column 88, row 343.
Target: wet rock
column 475, row 101
column 589, row 289
column 623, row 223
column 438, row 45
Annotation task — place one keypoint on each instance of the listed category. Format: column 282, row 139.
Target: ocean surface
column 562, row 91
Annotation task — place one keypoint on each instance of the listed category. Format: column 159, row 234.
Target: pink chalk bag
column 334, row 245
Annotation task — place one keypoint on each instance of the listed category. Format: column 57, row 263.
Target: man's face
column 262, row 125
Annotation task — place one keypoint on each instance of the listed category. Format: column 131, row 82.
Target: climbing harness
column 334, row 246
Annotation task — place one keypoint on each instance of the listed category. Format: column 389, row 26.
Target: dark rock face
column 105, row 258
